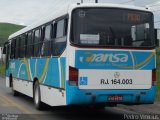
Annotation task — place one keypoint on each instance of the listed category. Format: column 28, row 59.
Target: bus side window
column 17, row 47
column 37, row 36
column 29, row 45
column 60, row 36
column 12, row 55
column 26, row 35
column 46, row 41
column 7, row 55
column 22, row 46
column 65, row 27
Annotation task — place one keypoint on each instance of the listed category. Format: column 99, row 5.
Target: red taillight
column 73, row 76
column 154, row 77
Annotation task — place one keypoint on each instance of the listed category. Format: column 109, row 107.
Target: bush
column 2, row 69
column 158, row 74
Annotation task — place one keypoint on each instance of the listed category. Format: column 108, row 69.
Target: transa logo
column 108, row 57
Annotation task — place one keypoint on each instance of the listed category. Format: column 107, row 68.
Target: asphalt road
column 22, row 108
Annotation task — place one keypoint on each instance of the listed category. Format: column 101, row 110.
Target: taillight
column 154, row 77
column 73, row 76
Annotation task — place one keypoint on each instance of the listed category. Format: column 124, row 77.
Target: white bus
column 85, row 54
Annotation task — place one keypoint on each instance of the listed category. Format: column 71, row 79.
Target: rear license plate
column 114, row 79
column 115, row 98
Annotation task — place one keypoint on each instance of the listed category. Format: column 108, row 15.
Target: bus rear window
column 112, row 27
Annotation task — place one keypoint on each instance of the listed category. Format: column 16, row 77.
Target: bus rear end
column 111, row 57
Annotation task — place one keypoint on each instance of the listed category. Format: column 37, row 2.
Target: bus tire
column 99, row 107
column 37, row 96
column 14, row 92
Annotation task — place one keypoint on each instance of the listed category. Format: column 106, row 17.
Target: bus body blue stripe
column 18, row 68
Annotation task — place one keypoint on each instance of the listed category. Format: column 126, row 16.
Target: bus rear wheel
column 37, row 96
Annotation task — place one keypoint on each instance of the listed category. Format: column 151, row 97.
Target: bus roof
column 67, row 9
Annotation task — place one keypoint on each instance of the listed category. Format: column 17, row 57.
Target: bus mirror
column 4, row 50
column 157, row 37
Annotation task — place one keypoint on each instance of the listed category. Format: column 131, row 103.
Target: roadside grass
column 158, row 75
column 2, row 69
column 158, row 85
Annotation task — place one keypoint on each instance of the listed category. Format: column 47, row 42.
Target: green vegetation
column 2, row 69
column 158, row 85
column 7, row 29
column 158, row 74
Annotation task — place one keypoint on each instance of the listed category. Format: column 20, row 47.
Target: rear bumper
column 76, row 96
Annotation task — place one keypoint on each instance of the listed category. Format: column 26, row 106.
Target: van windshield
column 112, row 27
